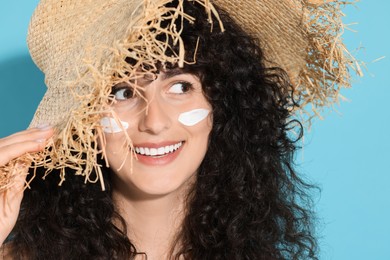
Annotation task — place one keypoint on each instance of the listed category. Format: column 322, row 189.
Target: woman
column 193, row 149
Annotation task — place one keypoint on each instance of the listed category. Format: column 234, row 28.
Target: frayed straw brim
column 80, row 44
column 304, row 38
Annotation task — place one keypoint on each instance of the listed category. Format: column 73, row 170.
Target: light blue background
column 347, row 154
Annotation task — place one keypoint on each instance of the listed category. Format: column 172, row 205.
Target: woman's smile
column 158, row 154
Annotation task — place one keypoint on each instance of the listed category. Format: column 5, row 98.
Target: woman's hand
column 11, row 147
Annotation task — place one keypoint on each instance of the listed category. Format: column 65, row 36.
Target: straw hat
column 79, row 44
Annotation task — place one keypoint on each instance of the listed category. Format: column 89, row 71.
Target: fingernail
column 44, row 127
column 40, row 140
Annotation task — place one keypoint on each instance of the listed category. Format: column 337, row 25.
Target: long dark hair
column 247, row 203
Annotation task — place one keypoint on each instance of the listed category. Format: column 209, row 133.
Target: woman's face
column 169, row 129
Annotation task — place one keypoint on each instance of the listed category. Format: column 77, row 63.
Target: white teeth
column 153, row 151
column 157, row 151
column 161, row 151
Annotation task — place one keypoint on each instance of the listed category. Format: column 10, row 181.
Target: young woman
column 194, row 153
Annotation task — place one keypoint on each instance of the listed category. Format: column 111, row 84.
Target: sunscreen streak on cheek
column 193, row 117
column 111, row 126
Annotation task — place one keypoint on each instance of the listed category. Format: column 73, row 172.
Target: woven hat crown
column 63, row 37
column 278, row 24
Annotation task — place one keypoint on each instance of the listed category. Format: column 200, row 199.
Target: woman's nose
column 154, row 119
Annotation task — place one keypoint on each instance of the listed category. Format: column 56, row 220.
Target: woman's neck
column 153, row 221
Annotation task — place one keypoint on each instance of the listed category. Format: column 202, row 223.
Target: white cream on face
column 193, row 117
column 111, row 126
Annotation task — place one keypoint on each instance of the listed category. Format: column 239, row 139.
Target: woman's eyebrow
column 171, row 73
column 164, row 75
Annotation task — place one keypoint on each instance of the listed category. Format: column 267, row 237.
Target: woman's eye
column 122, row 93
column 180, row 88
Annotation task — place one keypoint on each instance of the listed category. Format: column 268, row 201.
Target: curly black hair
column 247, row 203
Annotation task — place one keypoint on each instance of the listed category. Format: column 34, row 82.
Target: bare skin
column 153, row 223
column 11, row 147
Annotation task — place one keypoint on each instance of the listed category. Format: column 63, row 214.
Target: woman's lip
column 159, row 160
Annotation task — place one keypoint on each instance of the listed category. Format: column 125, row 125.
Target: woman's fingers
column 10, row 201
column 14, row 194
column 13, row 151
column 32, row 140
column 33, row 134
